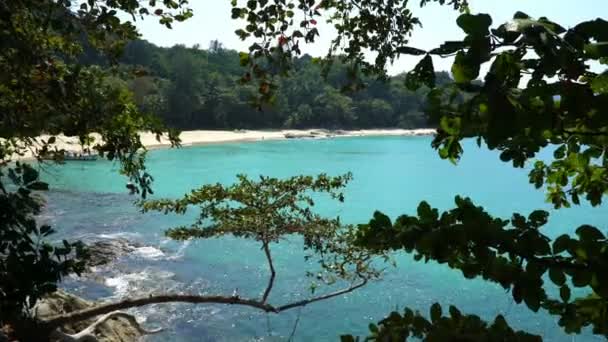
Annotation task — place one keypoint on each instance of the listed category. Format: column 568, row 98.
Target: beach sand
column 202, row 137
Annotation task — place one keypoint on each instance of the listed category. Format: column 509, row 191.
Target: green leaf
column 564, row 293
column 597, row 50
column 426, row 213
column 581, row 278
column 599, row 284
column 243, row 58
column 423, row 74
column 41, row 186
column 532, row 300
column 589, row 233
column 448, row 48
column 560, row 152
column 380, row 221
column 464, row 69
column 538, row 218
column 436, row 312
column 410, row 51
column 517, row 293
column 29, row 174
column 561, row 244
column 600, row 83
column 552, row 26
column 594, row 29
column 506, row 33
column 455, row 313
column 557, row 276
column 451, row 125
column 475, row 25
column 347, row 338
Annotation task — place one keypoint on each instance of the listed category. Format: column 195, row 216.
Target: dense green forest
column 195, row 88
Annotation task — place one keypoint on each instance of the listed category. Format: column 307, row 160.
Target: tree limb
column 55, row 322
column 76, row 316
column 316, row 299
column 272, row 273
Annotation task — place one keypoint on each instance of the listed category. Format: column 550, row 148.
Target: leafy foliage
column 30, row 266
column 454, row 327
column 512, row 253
column 278, row 28
column 559, row 105
column 540, row 91
column 195, row 88
column 43, row 90
column 269, row 210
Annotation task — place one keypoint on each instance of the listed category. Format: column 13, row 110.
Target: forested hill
column 194, row 88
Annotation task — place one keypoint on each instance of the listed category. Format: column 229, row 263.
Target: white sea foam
column 149, row 252
column 120, row 284
column 181, row 251
column 137, row 283
column 118, row 235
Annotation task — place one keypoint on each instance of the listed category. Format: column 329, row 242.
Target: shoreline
column 213, row 137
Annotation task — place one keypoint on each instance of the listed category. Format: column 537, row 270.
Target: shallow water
column 392, row 174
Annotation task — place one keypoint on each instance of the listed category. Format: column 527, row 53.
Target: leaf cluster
column 269, row 210
column 512, row 253
column 45, row 91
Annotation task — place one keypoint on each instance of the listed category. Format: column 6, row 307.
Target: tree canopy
column 204, row 88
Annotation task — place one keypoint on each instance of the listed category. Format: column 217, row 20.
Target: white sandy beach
column 202, row 137
column 212, row 137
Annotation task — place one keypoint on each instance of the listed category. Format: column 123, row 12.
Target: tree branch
column 55, row 322
column 316, row 299
column 272, row 273
column 76, row 316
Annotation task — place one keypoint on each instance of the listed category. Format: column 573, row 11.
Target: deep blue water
column 392, row 174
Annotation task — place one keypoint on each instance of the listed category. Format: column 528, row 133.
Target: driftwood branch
column 88, row 334
column 272, row 273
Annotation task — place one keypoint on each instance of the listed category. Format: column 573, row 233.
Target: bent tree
column 266, row 211
column 547, row 87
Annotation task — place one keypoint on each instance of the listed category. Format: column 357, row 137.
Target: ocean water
column 392, row 174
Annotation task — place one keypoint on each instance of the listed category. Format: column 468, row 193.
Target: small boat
column 79, row 156
column 299, row 135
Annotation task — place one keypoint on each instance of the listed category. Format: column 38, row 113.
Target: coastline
column 208, row 137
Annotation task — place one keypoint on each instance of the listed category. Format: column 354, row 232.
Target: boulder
column 105, row 251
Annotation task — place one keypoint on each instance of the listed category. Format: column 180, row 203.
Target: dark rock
column 105, row 251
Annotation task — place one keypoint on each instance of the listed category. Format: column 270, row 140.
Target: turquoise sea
column 88, row 200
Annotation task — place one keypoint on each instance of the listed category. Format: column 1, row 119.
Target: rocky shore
column 118, row 329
